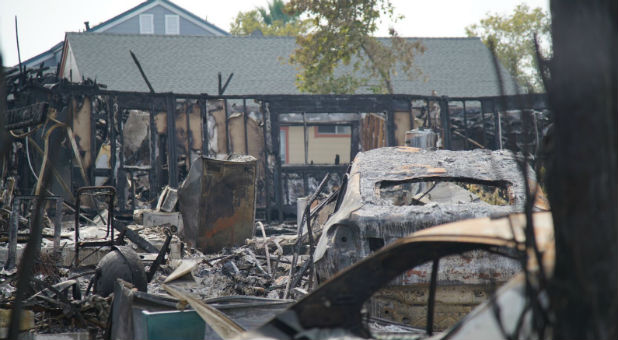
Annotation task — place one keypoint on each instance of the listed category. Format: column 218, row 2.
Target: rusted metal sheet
column 217, row 202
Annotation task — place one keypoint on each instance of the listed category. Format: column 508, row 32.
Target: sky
column 42, row 23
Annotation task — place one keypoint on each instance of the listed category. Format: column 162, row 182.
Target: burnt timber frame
column 271, row 107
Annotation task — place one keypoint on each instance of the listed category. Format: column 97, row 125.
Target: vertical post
column 266, row 170
column 227, row 127
column 77, row 209
column 305, row 140
column 354, row 139
column 465, row 117
column 411, row 115
column 306, row 151
column 112, row 138
column 431, row 302
column 93, row 142
column 497, row 127
column 204, row 115
column 154, row 165
column 244, row 115
column 171, row 142
column 13, row 228
column 275, row 131
column 188, row 133
column 121, row 181
column 483, row 121
column 390, row 127
column 446, row 122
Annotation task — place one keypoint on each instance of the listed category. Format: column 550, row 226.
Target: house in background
column 454, row 67
column 150, row 17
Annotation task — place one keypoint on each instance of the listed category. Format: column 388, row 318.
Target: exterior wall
column 322, row 149
column 70, row 70
column 131, row 26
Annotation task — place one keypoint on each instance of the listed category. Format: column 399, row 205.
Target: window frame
column 168, row 20
column 144, row 20
column 318, row 134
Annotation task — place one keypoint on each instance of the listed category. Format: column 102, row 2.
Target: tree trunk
column 582, row 178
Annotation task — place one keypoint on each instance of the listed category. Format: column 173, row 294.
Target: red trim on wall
column 287, row 142
column 317, row 134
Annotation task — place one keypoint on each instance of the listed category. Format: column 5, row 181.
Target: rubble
column 194, row 250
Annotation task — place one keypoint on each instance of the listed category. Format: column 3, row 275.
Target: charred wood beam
column 134, row 237
column 355, row 140
column 188, row 134
column 445, row 122
column 267, row 176
column 153, row 173
column 244, row 115
column 227, row 127
column 160, row 257
column 484, row 108
column 25, row 116
column 203, row 104
column 111, row 123
column 94, row 148
column 141, row 71
column 390, row 128
column 172, row 158
column 223, row 87
column 277, row 178
column 465, row 122
column 497, row 127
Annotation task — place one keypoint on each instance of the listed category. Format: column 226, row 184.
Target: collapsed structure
column 157, row 175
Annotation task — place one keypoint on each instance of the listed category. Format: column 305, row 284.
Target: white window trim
column 144, row 21
column 339, row 130
column 169, row 18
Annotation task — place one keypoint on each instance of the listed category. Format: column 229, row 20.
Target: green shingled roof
column 457, row 67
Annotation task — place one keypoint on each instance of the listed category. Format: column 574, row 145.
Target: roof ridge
column 247, row 36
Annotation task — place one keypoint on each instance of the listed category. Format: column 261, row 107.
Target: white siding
column 70, row 70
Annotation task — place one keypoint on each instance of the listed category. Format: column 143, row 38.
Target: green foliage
column 271, row 21
column 513, row 37
column 341, row 40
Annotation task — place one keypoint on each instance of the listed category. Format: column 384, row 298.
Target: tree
column 513, row 36
column 271, row 21
column 583, row 176
column 339, row 54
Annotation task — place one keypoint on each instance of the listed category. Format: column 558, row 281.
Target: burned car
column 337, row 309
column 392, row 192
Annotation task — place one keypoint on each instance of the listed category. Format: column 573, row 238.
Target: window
column 146, row 25
column 333, row 130
column 172, row 25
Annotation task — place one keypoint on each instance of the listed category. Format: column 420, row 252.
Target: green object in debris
column 181, row 325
